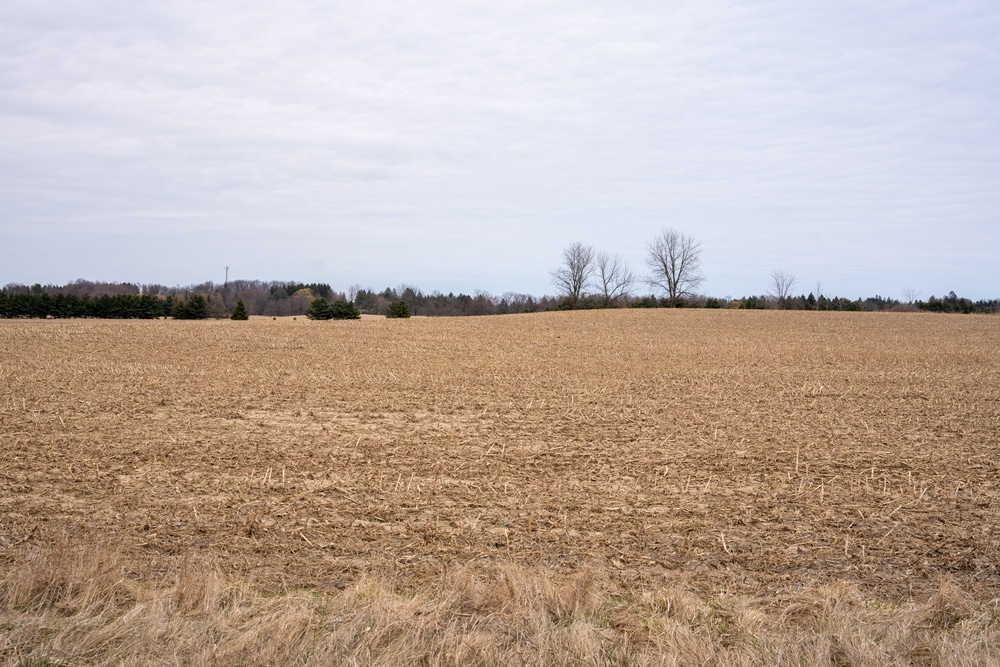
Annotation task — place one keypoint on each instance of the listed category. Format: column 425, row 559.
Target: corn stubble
column 617, row 487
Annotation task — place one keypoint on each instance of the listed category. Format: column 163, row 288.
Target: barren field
column 715, row 452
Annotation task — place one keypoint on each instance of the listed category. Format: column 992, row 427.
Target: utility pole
column 227, row 278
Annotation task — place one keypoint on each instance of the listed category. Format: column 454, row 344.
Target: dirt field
column 719, row 451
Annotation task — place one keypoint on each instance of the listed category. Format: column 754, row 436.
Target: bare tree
column 574, row 275
column 781, row 287
column 614, row 277
column 911, row 294
column 216, row 307
column 674, row 261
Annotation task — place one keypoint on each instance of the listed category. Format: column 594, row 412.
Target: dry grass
column 609, row 488
column 80, row 604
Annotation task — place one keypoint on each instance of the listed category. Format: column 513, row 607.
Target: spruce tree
column 179, row 310
column 196, row 307
column 397, row 309
column 240, row 312
column 320, row 310
column 343, row 310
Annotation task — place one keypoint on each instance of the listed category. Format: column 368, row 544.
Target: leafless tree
column 781, row 287
column 574, row 275
column 613, row 276
column 674, row 261
column 911, row 294
column 216, row 307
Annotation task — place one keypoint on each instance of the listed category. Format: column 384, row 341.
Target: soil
column 725, row 451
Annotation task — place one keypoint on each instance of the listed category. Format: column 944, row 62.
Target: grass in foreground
column 86, row 604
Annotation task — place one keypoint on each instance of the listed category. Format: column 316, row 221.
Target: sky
column 461, row 146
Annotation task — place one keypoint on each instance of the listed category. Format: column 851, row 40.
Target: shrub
column 646, row 302
column 397, row 309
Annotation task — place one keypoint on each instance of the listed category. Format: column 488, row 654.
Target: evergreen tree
column 342, row 310
column 397, row 309
column 20, row 305
column 320, row 310
column 196, row 307
column 168, row 306
column 179, row 309
column 240, row 312
column 40, row 303
column 149, row 307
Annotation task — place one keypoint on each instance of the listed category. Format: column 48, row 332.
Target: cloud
column 830, row 137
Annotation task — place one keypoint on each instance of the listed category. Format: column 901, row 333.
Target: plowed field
column 720, row 450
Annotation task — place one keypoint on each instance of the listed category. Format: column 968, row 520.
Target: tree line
column 83, row 298
column 590, row 278
column 87, row 299
column 40, row 304
column 585, row 278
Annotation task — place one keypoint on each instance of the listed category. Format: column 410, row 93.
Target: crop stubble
column 719, row 450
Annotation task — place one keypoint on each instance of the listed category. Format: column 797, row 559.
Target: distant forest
column 83, row 298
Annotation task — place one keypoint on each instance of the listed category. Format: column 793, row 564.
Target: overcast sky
column 462, row 145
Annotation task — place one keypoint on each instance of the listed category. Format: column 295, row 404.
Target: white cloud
column 473, row 141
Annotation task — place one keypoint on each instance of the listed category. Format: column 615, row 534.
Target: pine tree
column 240, row 312
column 179, row 310
column 196, row 307
column 397, row 309
column 343, row 310
column 320, row 310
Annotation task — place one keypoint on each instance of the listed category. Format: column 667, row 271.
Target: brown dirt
column 725, row 451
